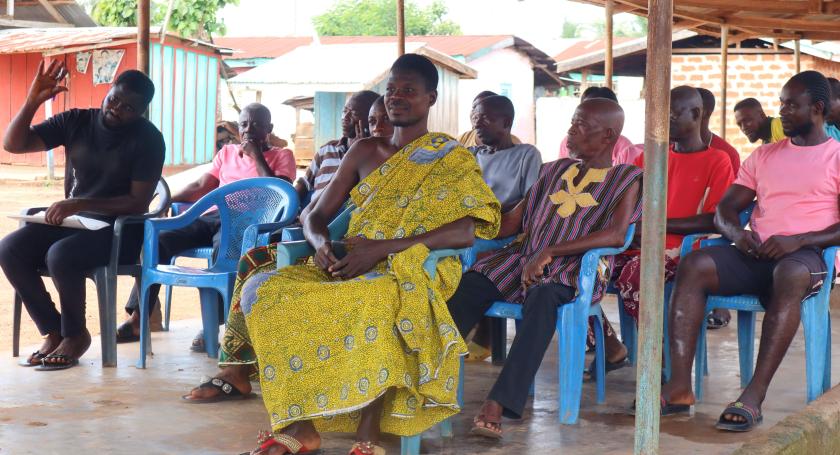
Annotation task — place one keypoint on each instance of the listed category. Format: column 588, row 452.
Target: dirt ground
column 18, row 194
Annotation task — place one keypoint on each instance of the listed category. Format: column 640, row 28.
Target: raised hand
column 47, row 82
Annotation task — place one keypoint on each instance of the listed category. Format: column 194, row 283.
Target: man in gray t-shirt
column 508, row 169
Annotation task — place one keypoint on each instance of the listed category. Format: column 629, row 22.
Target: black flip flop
column 608, row 366
column 37, row 356
column 665, row 408
column 125, row 333
column 752, row 415
column 228, row 392
column 66, row 362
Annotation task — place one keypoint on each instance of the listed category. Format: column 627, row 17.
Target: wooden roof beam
column 760, row 6
column 781, row 24
column 643, row 5
column 52, row 11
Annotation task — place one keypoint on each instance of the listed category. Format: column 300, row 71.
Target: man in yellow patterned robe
column 365, row 342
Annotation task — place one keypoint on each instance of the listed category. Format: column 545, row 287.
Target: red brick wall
column 759, row 76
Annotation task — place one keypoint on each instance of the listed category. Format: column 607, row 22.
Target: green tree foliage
column 190, row 18
column 379, row 18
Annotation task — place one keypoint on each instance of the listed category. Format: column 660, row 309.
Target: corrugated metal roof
column 25, row 40
column 584, row 46
column 340, row 67
column 73, row 13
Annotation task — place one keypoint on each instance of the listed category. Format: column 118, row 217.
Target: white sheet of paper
column 73, row 221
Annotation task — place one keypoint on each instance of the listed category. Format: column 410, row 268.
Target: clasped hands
column 774, row 248
column 362, row 256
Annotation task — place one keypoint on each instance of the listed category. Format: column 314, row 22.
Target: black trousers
column 475, row 294
column 67, row 254
column 204, row 231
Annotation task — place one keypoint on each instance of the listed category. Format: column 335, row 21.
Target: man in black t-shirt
column 114, row 161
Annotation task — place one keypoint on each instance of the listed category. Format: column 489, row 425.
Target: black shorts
column 739, row 273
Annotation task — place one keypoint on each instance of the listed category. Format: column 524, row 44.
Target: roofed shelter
column 757, row 68
column 310, row 71
column 185, row 73
column 782, row 19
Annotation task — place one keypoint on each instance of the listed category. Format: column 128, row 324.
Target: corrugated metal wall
column 184, row 107
column 329, row 107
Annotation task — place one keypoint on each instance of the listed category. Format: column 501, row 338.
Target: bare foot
column 51, row 342
column 72, row 347
column 236, row 375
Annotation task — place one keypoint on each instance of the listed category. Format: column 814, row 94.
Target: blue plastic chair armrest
column 291, row 234
column 718, row 241
column 250, row 238
column 289, row 252
column 483, row 245
column 430, row 264
column 177, row 208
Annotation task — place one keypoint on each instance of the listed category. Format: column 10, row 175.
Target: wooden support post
column 143, row 36
column 608, row 45
column 584, row 79
column 400, row 27
column 657, row 113
column 797, row 56
column 724, row 83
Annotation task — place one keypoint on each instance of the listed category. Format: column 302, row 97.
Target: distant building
column 504, row 64
column 310, row 71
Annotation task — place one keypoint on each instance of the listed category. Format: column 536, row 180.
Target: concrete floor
column 90, row 410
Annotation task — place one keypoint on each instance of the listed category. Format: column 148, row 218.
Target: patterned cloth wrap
column 327, row 347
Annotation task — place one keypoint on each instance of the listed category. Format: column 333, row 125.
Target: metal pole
column 797, row 56
column 48, row 112
column 657, row 112
column 724, row 66
column 608, row 30
column 143, row 36
column 400, row 27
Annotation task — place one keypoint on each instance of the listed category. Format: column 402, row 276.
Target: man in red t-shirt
column 698, row 176
column 720, row 317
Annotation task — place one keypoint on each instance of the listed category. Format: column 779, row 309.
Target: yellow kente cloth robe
column 327, row 348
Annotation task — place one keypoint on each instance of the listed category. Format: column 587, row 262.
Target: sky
column 537, row 21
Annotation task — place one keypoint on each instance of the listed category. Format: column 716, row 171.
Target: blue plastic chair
column 204, row 252
column 240, row 205
column 572, row 325
column 816, row 321
column 628, row 325
column 289, row 253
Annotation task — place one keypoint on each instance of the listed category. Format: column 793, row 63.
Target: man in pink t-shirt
column 796, row 187
column 624, row 151
column 254, row 157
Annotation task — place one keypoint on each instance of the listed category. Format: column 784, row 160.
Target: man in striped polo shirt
column 325, row 163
